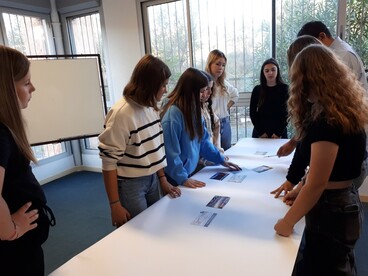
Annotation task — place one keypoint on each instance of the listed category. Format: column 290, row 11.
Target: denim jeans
column 357, row 182
column 225, row 132
column 137, row 194
column 332, row 228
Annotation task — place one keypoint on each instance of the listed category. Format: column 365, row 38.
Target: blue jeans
column 332, row 228
column 357, row 182
column 225, row 132
column 137, row 194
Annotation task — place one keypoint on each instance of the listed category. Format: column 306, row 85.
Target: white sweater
column 132, row 142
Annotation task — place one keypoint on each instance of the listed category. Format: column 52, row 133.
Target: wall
column 123, row 41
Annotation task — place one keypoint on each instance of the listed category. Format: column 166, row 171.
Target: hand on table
column 119, row 215
column 231, row 166
column 274, row 136
column 192, row 183
column 264, row 135
column 285, row 187
column 286, row 148
column 283, row 228
column 173, row 191
column 290, row 197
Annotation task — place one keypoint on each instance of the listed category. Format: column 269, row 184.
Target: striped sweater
column 132, row 141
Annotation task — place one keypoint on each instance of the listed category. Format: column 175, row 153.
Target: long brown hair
column 263, row 80
column 13, row 67
column 186, row 96
column 318, row 75
column 147, row 78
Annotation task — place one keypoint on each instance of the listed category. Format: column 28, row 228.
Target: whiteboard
column 68, row 102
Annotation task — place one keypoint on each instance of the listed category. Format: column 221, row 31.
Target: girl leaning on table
column 329, row 111
column 186, row 137
column 24, row 222
column 132, row 147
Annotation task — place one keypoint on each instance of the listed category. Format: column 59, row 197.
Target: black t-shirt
column 20, row 185
column 271, row 116
column 349, row 157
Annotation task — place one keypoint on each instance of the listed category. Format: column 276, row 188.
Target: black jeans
column 332, row 228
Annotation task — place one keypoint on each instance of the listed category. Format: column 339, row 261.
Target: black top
column 271, row 116
column 20, row 184
column 349, row 157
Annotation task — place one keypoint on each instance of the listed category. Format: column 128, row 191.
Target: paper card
column 218, row 202
column 261, row 169
column 260, row 152
column 204, row 219
column 237, row 178
column 219, row 176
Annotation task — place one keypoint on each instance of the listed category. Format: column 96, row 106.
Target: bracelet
column 115, row 201
column 161, row 176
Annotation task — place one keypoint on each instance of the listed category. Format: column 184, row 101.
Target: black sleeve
column 254, row 116
column 297, row 167
column 284, row 112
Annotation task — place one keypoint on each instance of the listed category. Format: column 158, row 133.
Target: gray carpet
column 82, row 215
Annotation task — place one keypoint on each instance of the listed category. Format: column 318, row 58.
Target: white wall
column 123, row 43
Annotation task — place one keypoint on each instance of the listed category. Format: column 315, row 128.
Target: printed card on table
column 219, row 176
column 204, row 219
column 261, row 169
column 260, row 152
column 237, row 178
column 218, row 202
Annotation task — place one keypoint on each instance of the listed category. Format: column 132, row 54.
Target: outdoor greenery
column 243, row 30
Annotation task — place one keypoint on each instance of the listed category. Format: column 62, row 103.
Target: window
column 182, row 33
column 85, row 37
column 28, row 34
column 241, row 29
column 31, row 35
column 357, row 28
column 291, row 16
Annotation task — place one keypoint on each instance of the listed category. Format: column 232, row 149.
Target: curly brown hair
column 321, row 85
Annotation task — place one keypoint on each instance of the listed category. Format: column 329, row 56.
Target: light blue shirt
column 182, row 154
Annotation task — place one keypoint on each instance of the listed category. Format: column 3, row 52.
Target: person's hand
column 283, row 228
column 119, row 215
column 274, row 136
column 192, row 183
column 264, row 135
column 173, row 191
column 286, row 148
column 25, row 220
column 285, row 187
column 290, row 197
column 231, row 166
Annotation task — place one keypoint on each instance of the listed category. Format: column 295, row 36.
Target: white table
column 239, row 241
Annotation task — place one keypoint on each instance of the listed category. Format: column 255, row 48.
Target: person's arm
column 295, row 173
column 253, row 111
column 13, row 226
column 233, row 94
column 166, row 187
column 282, row 112
column 208, row 150
column 287, row 148
column 323, row 156
column 119, row 215
column 172, row 126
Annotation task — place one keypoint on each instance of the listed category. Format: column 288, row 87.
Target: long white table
column 240, row 240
